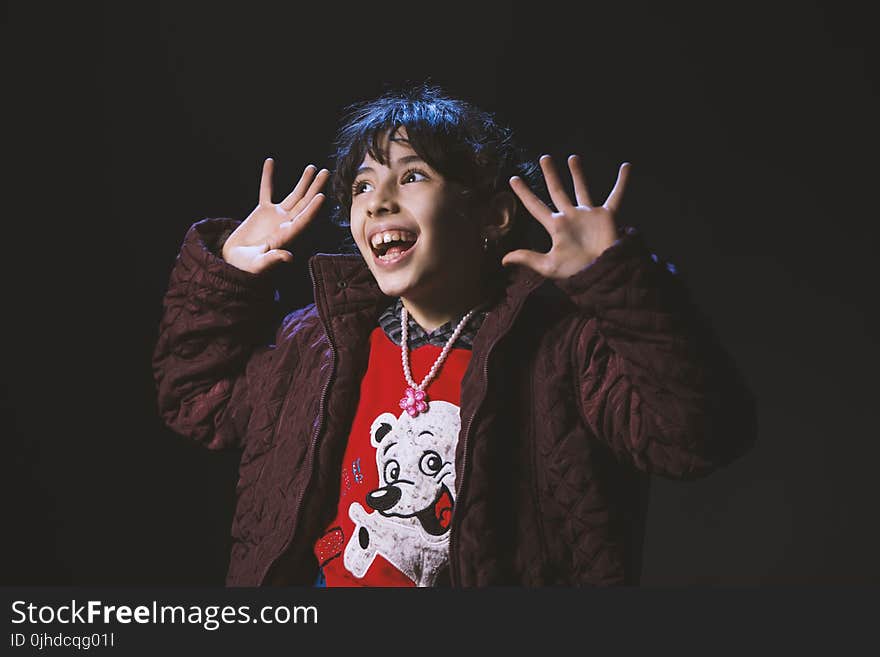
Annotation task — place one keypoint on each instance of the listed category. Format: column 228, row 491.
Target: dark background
column 752, row 133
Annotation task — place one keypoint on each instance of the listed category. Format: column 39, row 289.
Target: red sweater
column 398, row 478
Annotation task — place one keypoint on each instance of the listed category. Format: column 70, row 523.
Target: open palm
column 579, row 232
column 258, row 242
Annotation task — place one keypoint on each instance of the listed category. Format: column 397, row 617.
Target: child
column 452, row 409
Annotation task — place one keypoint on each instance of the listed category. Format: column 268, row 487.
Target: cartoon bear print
column 412, row 508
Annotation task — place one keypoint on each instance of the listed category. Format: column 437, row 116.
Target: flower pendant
column 414, row 401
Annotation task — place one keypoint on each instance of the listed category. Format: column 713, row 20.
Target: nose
column 382, row 202
column 384, row 498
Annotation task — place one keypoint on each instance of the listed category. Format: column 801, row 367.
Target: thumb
column 271, row 259
column 523, row 257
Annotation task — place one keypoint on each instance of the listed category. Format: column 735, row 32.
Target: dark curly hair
column 463, row 143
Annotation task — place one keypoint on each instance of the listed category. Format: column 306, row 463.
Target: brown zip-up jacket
column 577, row 391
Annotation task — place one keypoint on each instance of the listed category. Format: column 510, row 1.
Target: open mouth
column 393, row 251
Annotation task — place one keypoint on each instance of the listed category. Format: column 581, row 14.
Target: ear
column 499, row 218
column 381, row 427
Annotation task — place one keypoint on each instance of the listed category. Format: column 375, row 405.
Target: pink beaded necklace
column 415, row 399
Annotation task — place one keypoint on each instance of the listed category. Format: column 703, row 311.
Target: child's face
column 441, row 247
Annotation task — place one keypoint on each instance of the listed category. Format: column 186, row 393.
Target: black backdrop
column 752, row 133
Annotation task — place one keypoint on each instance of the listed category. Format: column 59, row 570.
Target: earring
column 486, row 243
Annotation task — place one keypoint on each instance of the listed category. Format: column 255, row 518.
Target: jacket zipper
column 311, row 454
column 460, row 479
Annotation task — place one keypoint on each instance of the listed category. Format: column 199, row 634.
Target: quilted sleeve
column 653, row 382
column 212, row 340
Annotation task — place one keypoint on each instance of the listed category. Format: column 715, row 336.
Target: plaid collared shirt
column 390, row 323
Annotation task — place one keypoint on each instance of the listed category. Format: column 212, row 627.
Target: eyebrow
column 400, row 160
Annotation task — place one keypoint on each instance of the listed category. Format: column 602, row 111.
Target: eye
column 357, row 187
column 392, row 471
column 430, row 463
column 414, row 172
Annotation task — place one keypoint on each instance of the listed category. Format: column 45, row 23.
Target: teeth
column 392, row 236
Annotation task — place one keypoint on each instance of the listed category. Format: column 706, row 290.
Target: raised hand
column 579, row 233
column 257, row 244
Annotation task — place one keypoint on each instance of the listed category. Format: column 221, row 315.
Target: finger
column 317, row 183
column 554, row 184
column 266, row 182
column 288, row 230
column 580, row 181
column 616, row 196
column 300, row 187
column 536, row 207
column 270, row 259
column 531, row 259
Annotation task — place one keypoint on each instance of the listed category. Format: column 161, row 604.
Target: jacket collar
column 344, row 284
